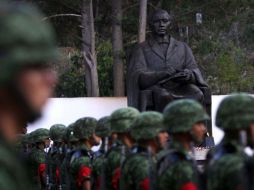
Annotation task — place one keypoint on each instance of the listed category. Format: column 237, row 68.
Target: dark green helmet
column 122, row 118
column 181, row 115
column 69, row 134
column 147, row 125
column 84, row 128
column 40, row 134
column 25, row 40
column 30, row 137
column 103, row 128
column 21, row 140
column 235, row 112
column 57, row 132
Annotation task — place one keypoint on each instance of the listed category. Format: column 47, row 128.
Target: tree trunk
column 88, row 45
column 142, row 20
column 117, row 46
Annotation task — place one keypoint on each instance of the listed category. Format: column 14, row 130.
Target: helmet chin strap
column 30, row 114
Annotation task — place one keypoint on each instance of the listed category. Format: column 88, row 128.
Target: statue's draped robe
column 148, row 57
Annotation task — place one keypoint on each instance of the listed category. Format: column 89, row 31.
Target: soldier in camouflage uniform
column 70, row 139
column 176, row 169
column 26, row 46
column 22, row 143
column 55, row 156
column 137, row 172
column 227, row 162
column 37, row 158
column 120, row 122
column 102, row 130
column 71, row 145
column 80, row 163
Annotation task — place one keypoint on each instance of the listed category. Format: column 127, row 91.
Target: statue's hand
column 171, row 71
column 182, row 76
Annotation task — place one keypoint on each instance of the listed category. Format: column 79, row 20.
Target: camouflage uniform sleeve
column 227, row 173
column 111, row 164
column 38, row 157
column 178, row 177
column 38, row 163
column 81, row 169
column 96, row 171
column 85, row 170
column 135, row 173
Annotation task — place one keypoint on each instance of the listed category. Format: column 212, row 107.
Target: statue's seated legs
column 157, row 97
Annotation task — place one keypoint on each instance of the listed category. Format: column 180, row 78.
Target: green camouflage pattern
column 65, row 167
column 40, row 134
column 69, row 134
column 57, row 132
column 178, row 173
column 226, row 170
column 97, row 169
column 112, row 162
column 134, row 171
column 122, row 118
column 77, row 162
column 55, row 160
column 36, row 157
column 235, row 112
column 181, row 115
column 147, row 125
column 21, row 141
column 84, row 128
column 31, row 137
column 13, row 175
column 103, row 128
column 19, row 45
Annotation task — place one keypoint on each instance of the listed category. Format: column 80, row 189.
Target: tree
column 142, row 20
column 117, row 46
column 88, row 47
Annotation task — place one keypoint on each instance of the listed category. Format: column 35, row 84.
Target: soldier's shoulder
column 37, row 156
column 114, row 151
column 12, row 174
column 161, row 154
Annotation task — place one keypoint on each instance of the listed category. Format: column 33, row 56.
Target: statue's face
column 160, row 23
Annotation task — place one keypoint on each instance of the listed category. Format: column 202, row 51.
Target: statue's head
column 159, row 22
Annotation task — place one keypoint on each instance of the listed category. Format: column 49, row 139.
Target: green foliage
column 72, row 73
column 221, row 45
column 71, row 78
column 105, row 68
column 233, row 72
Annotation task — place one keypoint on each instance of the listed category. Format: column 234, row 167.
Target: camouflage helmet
column 181, row 115
column 57, row 132
column 103, row 128
column 69, row 134
column 84, row 128
column 21, row 140
column 40, row 134
column 30, row 137
column 235, row 112
column 25, row 40
column 147, row 125
column 122, row 118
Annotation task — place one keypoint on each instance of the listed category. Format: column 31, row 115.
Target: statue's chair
column 146, row 103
